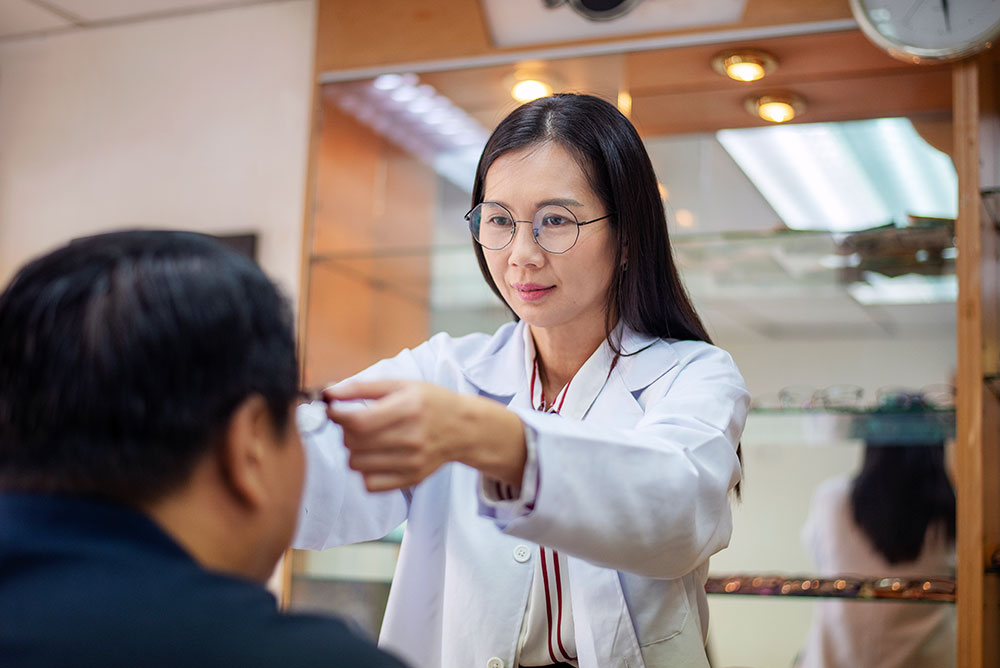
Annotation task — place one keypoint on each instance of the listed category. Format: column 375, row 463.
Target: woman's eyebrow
column 562, row 201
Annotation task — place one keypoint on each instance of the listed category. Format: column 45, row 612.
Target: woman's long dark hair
column 900, row 492
column 647, row 295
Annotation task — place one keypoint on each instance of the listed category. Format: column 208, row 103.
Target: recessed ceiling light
column 776, row 107
column 530, row 89
column 684, row 218
column 625, row 102
column 744, row 64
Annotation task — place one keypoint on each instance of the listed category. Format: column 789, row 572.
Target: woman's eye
column 554, row 221
column 499, row 221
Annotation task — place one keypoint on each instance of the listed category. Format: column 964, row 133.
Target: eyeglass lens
column 554, row 227
column 311, row 417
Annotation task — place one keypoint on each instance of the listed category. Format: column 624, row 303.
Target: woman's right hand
column 409, row 429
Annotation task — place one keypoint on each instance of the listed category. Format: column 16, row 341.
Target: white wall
column 196, row 122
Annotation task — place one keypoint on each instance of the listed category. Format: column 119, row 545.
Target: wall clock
column 920, row 31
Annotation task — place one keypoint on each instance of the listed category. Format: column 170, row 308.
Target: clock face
column 919, row 30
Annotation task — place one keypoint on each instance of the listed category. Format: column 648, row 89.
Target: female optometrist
column 566, row 479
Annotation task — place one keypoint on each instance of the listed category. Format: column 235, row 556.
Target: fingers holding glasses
column 401, row 436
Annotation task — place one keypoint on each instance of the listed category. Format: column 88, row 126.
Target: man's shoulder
column 241, row 621
column 164, row 618
column 223, row 620
column 128, row 597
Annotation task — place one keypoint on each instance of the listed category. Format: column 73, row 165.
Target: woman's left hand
column 409, row 429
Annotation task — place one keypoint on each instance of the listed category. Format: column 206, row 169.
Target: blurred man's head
column 156, row 369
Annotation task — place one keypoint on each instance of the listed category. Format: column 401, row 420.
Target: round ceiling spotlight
column 776, row 107
column 530, row 81
column 527, row 90
column 596, row 10
column 744, row 64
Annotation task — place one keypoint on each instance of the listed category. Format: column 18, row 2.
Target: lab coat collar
column 644, row 358
column 499, row 370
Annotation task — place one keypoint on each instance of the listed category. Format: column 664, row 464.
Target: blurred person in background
column 895, row 518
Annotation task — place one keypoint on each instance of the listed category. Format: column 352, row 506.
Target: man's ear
column 243, row 451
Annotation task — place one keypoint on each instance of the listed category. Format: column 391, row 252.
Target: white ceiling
column 23, row 18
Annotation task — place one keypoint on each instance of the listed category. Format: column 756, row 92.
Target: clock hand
column 913, row 9
column 947, row 17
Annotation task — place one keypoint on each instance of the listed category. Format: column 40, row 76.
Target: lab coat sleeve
column 336, row 508
column 503, row 502
column 652, row 499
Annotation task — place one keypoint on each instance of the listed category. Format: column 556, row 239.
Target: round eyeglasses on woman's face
column 554, row 227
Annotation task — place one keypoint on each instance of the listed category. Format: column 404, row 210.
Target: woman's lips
column 530, row 292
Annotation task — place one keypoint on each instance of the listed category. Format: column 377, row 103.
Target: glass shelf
column 928, row 590
column 832, row 427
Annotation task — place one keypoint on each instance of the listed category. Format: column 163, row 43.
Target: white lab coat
column 636, row 495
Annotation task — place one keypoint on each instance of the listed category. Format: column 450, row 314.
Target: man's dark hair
column 123, row 356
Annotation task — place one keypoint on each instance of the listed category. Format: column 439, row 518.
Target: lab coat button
column 521, row 554
column 494, row 663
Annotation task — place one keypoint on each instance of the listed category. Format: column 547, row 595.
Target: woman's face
column 567, row 291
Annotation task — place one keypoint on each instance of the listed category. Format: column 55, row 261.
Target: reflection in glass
column 894, row 521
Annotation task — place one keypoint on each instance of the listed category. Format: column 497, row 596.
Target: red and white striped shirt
column 547, row 632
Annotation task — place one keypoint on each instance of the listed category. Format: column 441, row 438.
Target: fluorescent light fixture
column 845, row 177
column 420, row 120
column 907, row 289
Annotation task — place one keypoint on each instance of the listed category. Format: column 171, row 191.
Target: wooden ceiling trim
column 829, row 55
column 915, row 92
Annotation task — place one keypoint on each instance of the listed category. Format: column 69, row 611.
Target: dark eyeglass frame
column 534, row 236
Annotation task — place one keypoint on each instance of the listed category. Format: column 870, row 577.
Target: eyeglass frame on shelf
column 535, row 234
column 934, row 397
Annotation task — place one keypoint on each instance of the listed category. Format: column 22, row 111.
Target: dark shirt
column 87, row 583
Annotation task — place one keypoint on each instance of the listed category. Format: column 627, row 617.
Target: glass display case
column 806, row 313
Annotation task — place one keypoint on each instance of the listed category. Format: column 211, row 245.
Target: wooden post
column 978, row 445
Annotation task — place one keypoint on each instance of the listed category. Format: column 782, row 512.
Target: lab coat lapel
column 499, row 371
column 644, row 360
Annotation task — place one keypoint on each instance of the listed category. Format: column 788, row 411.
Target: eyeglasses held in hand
column 310, row 417
column 554, row 227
